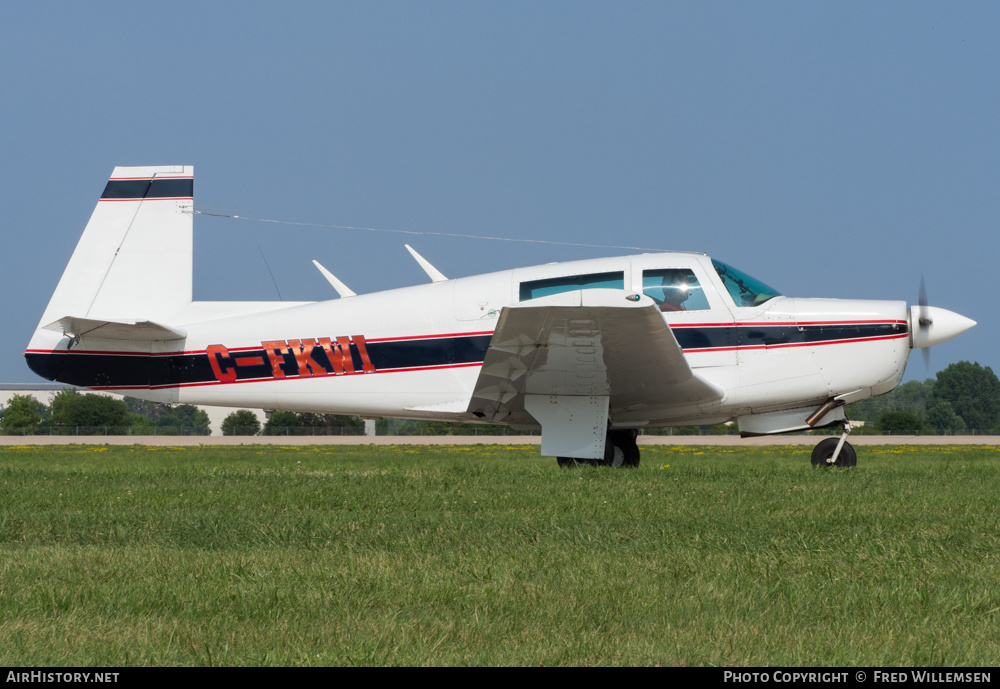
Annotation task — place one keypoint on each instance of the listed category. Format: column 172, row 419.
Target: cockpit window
column 745, row 290
column 674, row 289
column 567, row 283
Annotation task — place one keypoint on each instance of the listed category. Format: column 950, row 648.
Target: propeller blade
column 924, row 320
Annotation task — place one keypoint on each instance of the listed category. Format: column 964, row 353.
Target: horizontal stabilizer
column 134, row 331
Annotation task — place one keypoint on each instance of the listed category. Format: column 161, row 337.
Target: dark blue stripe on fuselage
column 722, row 337
column 732, row 336
column 142, row 370
column 118, row 189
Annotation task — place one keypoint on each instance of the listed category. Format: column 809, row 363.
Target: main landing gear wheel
column 621, row 450
column 823, row 452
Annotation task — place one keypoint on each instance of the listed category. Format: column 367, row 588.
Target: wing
column 595, row 352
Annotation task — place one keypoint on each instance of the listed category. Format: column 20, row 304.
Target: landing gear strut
column 835, row 451
column 620, row 451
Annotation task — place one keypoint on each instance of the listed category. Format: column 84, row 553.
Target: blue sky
column 830, row 149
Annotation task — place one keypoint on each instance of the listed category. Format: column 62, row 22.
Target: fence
column 390, row 429
column 403, row 428
column 109, row 430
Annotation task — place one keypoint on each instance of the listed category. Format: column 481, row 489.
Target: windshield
column 745, row 290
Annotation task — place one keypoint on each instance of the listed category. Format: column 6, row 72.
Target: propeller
column 924, row 322
column 930, row 325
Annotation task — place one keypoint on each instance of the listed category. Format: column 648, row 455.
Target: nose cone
column 930, row 325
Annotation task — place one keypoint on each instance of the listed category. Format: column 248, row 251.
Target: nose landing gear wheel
column 823, row 452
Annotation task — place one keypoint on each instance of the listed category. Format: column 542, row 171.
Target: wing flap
column 587, row 343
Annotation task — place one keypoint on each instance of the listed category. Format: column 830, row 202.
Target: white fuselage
column 416, row 352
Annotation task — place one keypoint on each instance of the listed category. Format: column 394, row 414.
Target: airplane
column 591, row 352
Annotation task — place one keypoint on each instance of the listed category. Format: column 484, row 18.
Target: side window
column 674, row 289
column 567, row 283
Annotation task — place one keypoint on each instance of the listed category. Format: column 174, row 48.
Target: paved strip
column 718, row 440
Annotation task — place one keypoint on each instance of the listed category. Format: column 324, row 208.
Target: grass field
column 491, row 555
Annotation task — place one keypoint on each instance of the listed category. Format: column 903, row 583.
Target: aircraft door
column 691, row 305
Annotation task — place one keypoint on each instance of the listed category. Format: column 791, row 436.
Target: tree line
column 964, row 398
column 245, row 422
column 73, row 413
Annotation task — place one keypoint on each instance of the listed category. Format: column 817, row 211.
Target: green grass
column 491, row 555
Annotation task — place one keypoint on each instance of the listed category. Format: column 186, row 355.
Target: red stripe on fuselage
column 287, row 378
column 783, row 324
column 193, row 352
column 153, row 198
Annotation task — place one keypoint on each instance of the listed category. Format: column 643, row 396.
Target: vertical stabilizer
column 134, row 260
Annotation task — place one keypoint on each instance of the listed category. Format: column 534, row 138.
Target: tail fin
column 134, row 260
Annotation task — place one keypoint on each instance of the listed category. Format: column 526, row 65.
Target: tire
column 848, row 457
column 825, row 449
column 624, row 451
column 631, row 449
column 614, row 452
